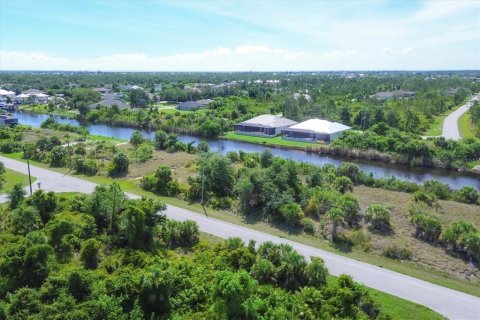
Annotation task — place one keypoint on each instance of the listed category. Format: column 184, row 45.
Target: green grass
column 173, row 111
column 404, row 267
column 12, row 178
column 436, row 128
column 43, row 108
column 275, row 141
column 465, row 126
column 398, row 308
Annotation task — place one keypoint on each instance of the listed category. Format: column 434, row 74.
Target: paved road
column 452, row 304
column 450, row 124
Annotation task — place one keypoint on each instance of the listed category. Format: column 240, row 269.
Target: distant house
column 397, row 94
column 109, row 100
column 451, row 91
column 130, row 87
column 102, row 90
column 193, row 105
column 4, row 94
column 314, row 130
column 8, row 121
column 39, row 96
column 263, row 125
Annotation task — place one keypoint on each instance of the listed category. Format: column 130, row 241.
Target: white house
column 4, row 94
column 39, row 96
column 314, row 130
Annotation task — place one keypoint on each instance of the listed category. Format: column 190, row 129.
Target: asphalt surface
column 450, row 303
column 450, row 124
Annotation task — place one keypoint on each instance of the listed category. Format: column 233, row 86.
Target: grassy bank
column 436, row 128
column 465, row 126
column 399, row 308
column 12, row 178
column 43, row 108
column 270, row 142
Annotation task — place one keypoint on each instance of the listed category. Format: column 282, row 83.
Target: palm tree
column 338, row 217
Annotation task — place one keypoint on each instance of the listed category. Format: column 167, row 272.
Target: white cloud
column 435, row 10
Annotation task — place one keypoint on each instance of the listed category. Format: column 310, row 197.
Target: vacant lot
column 425, row 254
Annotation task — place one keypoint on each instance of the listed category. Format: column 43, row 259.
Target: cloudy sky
column 239, row 35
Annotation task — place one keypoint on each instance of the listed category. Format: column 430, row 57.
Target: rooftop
column 269, row 120
column 32, row 91
column 319, row 126
column 6, row 92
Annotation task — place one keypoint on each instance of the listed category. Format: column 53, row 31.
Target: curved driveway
column 450, row 303
column 450, row 124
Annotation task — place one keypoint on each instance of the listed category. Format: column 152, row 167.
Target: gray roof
column 32, row 91
column 204, row 102
column 110, row 101
column 269, row 121
column 189, row 105
column 393, row 94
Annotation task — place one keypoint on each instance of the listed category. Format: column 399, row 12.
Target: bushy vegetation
column 409, row 148
column 103, row 256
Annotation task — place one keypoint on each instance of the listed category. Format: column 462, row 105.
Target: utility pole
column 29, row 176
column 113, row 207
column 203, row 183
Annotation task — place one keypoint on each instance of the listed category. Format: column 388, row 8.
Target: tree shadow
column 384, row 233
column 342, row 245
column 256, row 217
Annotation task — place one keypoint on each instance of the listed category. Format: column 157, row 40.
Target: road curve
column 448, row 302
column 450, row 124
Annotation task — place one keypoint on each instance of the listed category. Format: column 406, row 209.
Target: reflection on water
column 454, row 179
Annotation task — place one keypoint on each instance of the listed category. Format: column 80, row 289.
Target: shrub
column 292, row 213
column 89, row 253
column 441, row 190
column 136, row 139
column 180, row 234
column 144, row 152
column 464, row 238
column 468, row 195
column 221, row 202
column 427, row 227
column 428, row 198
column 378, row 217
column 308, row 225
column 395, row 252
column 119, row 165
column 343, row 184
column 317, row 273
column 358, row 238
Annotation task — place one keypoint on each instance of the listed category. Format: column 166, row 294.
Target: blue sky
column 239, row 35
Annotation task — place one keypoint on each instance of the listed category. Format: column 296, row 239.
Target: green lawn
column 399, row 308
column 43, row 108
column 465, row 126
column 12, row 178
column 436, row 128
column 405, row 267
column 275, row 141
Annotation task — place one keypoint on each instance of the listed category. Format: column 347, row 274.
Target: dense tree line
column 409, row 148
column 103, row 256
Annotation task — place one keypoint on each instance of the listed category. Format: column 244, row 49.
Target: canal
column 454, row 179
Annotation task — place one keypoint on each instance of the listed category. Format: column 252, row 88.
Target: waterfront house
column 4, row 94
column 39, row 96
column 314, row 130
column 193, row 105
column 6, row 120
column 264, row 125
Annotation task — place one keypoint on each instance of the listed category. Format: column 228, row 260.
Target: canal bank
column 454, row 179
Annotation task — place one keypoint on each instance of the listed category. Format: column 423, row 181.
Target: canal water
column 454, row 179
